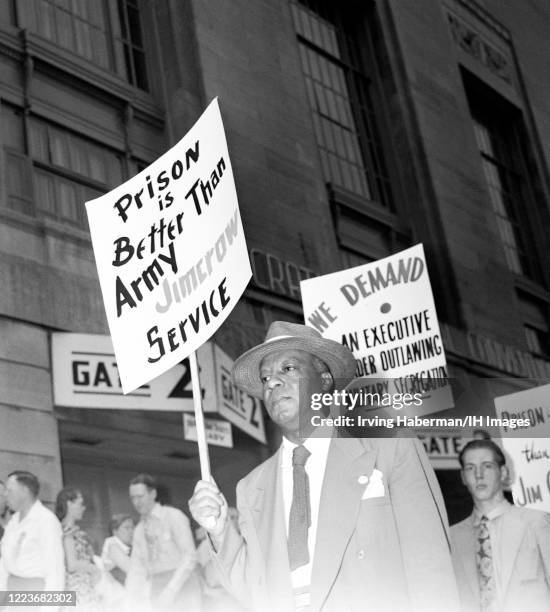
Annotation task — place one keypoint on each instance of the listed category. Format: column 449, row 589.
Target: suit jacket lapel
column 339, row 505
column 513, row 530
column 267, row 508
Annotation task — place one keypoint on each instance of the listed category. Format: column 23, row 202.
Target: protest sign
column 384, row 312
column 170, row 253
column 528, row 448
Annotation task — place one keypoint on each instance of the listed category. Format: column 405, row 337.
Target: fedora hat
column 283, row 335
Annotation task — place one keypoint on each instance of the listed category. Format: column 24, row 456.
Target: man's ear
column 327, row 381
column 504, row 475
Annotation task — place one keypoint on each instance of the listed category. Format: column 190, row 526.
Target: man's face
column 142, row 498
column 17, row 494
column 289, row 377
column 482, row 475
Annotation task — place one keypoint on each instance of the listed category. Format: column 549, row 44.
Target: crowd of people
column 327, row 523
column 152, row 565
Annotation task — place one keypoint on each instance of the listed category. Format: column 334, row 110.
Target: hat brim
column 338, row 358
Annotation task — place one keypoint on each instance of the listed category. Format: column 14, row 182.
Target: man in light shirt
column 32, row 551
column 501, row 551
column 327, row 523
column 163, row 553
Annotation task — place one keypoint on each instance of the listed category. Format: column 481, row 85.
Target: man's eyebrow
column 293, row 358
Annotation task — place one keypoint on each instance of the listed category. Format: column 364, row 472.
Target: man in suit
column 501, row 551
column 327, row 523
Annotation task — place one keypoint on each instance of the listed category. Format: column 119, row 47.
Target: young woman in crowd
column 82, row 573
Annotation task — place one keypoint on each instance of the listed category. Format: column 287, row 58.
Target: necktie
column 484, row 561
column 300, row 511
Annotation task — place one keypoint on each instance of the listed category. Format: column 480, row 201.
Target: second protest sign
column 384, row 312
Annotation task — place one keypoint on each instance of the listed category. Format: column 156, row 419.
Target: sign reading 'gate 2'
column 85, row 375
column 170, row 253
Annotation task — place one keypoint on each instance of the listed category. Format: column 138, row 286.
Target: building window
column 339, row 94
column 77, row 25
column 17, row 166
column 131, row 40
column 60, row 172
column 105, row 32
column 536, row 317
column 537, row 341
column 60, row 148
column 501, row 141
column 68, row 171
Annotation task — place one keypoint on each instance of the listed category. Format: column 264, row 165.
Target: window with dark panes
column 339, row 94
column 536, row 316
column 500, row 137
column 131, row 39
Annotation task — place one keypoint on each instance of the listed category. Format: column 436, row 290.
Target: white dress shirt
column 162, row 542
column 33, row 548
column 315, row 470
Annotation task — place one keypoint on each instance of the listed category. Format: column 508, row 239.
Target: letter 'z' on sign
column 170, row 253
column 183, row 386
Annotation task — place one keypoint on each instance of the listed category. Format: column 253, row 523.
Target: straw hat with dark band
column 283, row 335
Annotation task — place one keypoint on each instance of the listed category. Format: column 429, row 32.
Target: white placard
column 85, row 375
column 384, row 312
column 170, row 253
column 528, row 448
column 241, row 409
column 218, row 432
